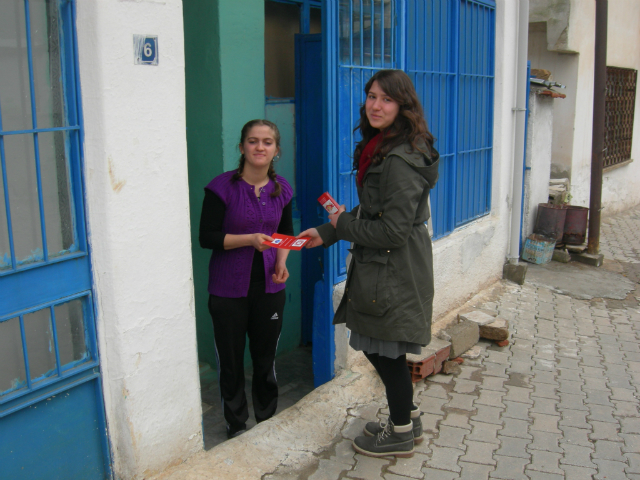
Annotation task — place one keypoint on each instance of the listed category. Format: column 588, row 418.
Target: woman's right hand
column 258, row 239
column 315, row 241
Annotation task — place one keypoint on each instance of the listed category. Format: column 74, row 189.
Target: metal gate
column 51, row 411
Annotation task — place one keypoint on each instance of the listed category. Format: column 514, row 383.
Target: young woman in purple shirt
column 241, row 210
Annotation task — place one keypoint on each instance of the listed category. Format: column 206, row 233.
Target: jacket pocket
column 369, row 290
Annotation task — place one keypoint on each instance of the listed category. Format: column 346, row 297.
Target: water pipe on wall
column 520, row 110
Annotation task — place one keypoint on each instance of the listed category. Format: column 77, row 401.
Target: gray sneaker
column 392, row 440
column 371, row 429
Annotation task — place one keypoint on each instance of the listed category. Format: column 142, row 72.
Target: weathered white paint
column 138, row 214
column 472, row 257
column 621, row 186
column 539, row 135
column 573, row 116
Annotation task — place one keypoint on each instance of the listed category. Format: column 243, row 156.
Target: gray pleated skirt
column 385, row 348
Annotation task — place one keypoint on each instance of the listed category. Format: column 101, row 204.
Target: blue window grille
column 44, row 262
column 447, row 49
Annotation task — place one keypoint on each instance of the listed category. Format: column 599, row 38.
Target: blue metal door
column 51, row 411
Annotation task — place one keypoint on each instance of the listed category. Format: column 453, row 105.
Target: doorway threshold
column 294, row 371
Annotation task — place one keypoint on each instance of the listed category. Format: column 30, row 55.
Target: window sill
column 617, row 165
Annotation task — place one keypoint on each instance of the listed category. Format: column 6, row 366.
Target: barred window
column 620, row 105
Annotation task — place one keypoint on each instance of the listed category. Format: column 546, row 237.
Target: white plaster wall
column 564, row 70
column 538, row 158
column 472, row 257
column 621, row 186
column 573, row 121
column 138, row 215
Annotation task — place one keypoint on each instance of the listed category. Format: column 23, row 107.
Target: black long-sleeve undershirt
column 212, row 218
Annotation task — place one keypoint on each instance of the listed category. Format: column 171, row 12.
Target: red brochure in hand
column 287, row 242
column 328, row 203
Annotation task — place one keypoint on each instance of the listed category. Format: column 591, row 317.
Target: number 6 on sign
column 145, row 50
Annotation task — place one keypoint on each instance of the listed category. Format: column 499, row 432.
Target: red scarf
column 365, row 157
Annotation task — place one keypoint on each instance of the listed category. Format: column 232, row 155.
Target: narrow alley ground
column 562, row 401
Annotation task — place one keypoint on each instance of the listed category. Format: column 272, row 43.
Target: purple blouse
column 230, row 270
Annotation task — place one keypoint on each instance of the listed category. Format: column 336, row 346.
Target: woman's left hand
column 281, row 274
column 334, row 218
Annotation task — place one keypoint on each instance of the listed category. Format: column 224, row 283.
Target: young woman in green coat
column 388, row 297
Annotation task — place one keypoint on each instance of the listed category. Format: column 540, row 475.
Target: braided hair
column 276, row 135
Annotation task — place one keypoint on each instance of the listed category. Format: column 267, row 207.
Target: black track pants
column 397, row 383
column 258, row 315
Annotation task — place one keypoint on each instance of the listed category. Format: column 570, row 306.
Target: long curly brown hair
column 409, row 125
column 276, row 135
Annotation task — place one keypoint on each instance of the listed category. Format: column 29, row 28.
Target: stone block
column 477, row 316
column 515, row 272
column 593, row 260
column 464, row 335
column 497, row 330
column 561, row 256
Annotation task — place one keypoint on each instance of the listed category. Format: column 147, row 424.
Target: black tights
column 396, row 378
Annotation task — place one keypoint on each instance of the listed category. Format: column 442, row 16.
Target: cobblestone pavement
column 560, row 402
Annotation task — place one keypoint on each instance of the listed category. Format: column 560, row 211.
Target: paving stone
column 487, row 414
column 578, row 456
column 467, row 372
column 516, row 428
column 354, row 427
column 605, row 431
column 544, row 390
column 435, row 474
column 601, row 413
column 543, row 476
column 634, row 462
column 545, row 377
column 453, row 419
column 626, row 409
column 577, row 473
column 484, row 432
column 479, row 452
column 568, row 374
column 518, row 394
column 608, row 470
column 329, row 470
column 490, row 397
column 594, row 372
column 430, row 422
column 432, row 405
column 547, row 462
column 451, row 437
column 495, row 370
column 516, row 410
column 631, row 443
column 545, row 423
column 608, row 450
column 598, row 397
column 393, row 476
column 445, row 458
column 474, row 471
column 441, row 378
column 465, row 386
column 623, row 394
column 619, row 381
column 344, row 452
column 546, row 441
column 544, row 405
column 409, row 467
column 571, row 402
column 509, row 468
column 513, row 447
column 434, row 390
column 462, row 401
column 368, row 468
column 493, row 383
column 575, row 436
column 596, row 384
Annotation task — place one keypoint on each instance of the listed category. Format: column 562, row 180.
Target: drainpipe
column 597, row 140
column 519, row 140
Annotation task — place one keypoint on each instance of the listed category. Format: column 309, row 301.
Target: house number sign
column 145, row 50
